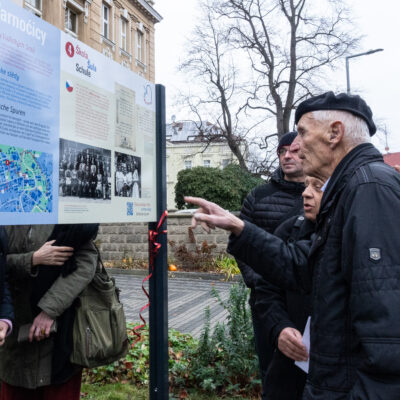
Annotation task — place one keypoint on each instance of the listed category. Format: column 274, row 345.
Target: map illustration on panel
column 25, row 180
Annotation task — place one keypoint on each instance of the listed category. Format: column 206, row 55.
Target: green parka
column 27, row 364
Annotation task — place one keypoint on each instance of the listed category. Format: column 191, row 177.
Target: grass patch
column 125, row 391
column 116, row 391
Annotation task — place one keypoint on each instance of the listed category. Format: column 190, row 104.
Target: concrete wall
column 119, row 241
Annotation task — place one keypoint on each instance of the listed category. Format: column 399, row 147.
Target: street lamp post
column 353, row 56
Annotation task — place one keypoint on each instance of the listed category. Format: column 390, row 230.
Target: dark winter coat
column 267, row 206
column 354, row 259
column 6, row 307
column 29, row 365
column 279, row 309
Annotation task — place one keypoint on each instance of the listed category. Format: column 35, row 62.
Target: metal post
column 347, row 75
column 366, row 53
column 158, row 284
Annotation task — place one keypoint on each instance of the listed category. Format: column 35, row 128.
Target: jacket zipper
column 88, row 341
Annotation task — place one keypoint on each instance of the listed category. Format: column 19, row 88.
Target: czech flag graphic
column 69, row 86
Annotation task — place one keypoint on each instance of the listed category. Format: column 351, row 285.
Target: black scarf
column 64, row 235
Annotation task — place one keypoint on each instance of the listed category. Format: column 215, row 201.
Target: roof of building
column 392, row 158
column 147, row 7
column 190, row 131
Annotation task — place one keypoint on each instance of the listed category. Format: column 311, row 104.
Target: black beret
column 343, row 102
column 286, row 140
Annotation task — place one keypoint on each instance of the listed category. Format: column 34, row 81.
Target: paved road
column 187, row 300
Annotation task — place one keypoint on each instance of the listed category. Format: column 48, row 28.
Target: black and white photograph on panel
column 127, row 175
column 85, row 171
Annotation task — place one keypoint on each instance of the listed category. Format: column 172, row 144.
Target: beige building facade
column 186, row 149
column 122, row 30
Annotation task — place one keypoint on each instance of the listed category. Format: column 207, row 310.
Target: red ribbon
column 154, row 248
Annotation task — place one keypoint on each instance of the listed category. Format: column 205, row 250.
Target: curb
column 176, row 274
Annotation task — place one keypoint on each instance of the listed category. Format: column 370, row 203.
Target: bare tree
column 253, row 61
column 210, row 61
column 291, row 45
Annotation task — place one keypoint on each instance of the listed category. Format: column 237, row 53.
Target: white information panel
column 77, row 137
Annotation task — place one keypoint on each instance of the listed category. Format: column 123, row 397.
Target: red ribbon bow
column 154, row 249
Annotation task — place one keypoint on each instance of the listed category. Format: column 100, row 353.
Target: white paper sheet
column 306, row 340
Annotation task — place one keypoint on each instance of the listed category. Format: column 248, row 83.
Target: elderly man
column 268, row 206
column 355, row 324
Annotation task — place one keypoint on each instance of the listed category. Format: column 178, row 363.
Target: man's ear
column 336, row 133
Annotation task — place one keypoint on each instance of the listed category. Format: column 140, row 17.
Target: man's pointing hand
column 211, row 216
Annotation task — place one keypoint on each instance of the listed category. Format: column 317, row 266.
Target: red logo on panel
column 69, row 48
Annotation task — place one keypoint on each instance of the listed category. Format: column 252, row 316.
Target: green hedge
column 227, row 187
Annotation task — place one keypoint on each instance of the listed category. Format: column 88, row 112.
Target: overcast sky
column 375, row 77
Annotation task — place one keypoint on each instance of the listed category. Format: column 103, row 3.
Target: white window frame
column 123, row 35
column 106, row 22
column 33, row 9
column 68, row 10
column 207, row 163
column 139, row 46
column 188, row 164
column 225, row 162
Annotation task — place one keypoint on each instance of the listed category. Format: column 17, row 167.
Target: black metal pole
column 158, row 284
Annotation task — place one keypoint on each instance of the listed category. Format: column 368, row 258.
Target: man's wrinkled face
column 312, row 144
column 290, row 162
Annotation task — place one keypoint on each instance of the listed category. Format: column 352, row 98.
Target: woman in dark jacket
column 49, row 266
column 284, row 312
column 6, row 307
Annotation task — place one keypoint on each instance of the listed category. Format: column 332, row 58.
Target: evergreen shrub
column 227, row 187
column 222, row 362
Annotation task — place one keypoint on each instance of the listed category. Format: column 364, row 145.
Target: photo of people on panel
column 127, row 175
column 85, row 171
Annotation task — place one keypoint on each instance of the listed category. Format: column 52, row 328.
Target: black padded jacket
column 267, row 206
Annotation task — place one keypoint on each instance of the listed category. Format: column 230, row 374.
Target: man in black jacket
column 354, row 258
column 267, row 206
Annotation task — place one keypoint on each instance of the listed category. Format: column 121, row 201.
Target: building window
column 225, row 162
column 71, row 21
column 140, row 46
column 207, row 163
column 34, row 6
column 123, row 30
column 188, row 164
column 106, row 21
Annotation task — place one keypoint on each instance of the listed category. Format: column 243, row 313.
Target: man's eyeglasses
column 282, row 151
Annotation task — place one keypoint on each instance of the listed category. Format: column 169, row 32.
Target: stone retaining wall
column 119, row 241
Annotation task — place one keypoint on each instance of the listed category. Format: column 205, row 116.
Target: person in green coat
column 46, row 276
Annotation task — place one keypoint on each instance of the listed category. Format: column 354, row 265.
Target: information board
column 77, row 130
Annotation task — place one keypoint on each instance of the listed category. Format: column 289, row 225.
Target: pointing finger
column 196, row 200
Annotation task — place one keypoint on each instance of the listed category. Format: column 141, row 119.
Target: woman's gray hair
column 356, row 129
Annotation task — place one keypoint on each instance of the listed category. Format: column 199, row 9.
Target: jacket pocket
column 98, row 334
